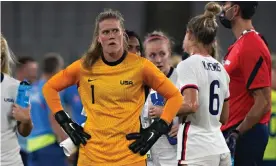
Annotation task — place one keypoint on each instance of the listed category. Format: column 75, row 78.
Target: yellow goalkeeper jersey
column 113, row 95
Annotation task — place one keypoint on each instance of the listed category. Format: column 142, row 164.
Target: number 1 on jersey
column 92, row 94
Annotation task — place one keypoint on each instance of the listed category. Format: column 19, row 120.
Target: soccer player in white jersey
column 13, row 117
column 204, row 85
column 158, row 49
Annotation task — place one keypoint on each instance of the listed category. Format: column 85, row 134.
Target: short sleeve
column 227, row 94
column 187, row 77
column 254, row 68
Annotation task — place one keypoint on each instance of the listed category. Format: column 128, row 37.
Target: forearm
column 171, row 108
column 74, row 131
column 25, row 128
column 185, row 110
column 253, row 116
column 52, row 98
column 190, row 102
column 60, row 134
column 57, row 83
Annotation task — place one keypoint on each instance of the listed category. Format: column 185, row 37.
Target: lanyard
column 243, row 33
column 247, row 31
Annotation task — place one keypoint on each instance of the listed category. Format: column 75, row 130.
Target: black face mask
column 225, row 21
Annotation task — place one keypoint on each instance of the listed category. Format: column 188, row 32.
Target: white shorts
column 213, row 160
column 163, row 153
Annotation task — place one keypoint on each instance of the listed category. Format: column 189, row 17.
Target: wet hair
column 95, row 51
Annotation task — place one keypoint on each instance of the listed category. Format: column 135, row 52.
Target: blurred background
column 35, row 28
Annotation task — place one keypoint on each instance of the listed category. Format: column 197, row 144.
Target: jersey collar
column 170, row 72
column 243, row 33
column 247, row 31
column 116, row 62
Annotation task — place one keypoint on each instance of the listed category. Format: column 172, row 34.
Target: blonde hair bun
column 212, row 9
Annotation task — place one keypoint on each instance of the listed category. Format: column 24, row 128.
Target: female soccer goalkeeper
column 111, row 83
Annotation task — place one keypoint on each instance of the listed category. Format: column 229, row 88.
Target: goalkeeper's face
column 111, row 35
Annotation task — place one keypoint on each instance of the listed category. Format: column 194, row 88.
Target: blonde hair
column 95, row 50
column 158, row 35
column 204, row 27
column 215, row 50
column 7, row 58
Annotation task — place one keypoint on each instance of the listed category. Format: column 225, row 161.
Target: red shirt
column 248, row 64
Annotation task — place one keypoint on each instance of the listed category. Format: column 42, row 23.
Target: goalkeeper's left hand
column 73, row 130
column 147, row 137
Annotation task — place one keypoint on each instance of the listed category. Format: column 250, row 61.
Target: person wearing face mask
column 111, row 83
column 158, row 49
column 248, row 64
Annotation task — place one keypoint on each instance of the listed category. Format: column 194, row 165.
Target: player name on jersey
column 211, row 66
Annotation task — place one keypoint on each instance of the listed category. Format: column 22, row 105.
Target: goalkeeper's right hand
column 147, row 137
column 74, row 131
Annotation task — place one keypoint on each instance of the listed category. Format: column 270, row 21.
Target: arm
column 260, row 107
column 60, row 134
column 23, row 117
column 224, row 113
column 256, row 72
column 58, row 82
column 155, row 79
column 187, row 81
column 25, row 128
column 190, row 103
column 262, row 104
column 225, row 108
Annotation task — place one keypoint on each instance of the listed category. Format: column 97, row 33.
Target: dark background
column 35, row 28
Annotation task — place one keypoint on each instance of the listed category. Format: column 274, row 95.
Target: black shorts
column 250, row 146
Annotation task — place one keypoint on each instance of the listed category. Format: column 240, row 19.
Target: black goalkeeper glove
column 74, row 131
column 147, row 137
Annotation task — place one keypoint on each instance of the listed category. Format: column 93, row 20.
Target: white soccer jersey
column 9, row 144
column 162, row 152
column 200, row 135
